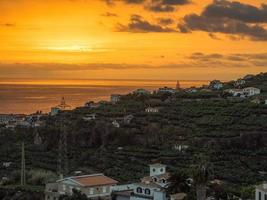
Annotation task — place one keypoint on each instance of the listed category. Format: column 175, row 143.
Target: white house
column 152, row 110
column 240, row 82
column 251, row 91
column 236, row 92
column 166, row 90
column 261, row 192
column 91, row 104
column 115, row 98
column 216, row 85
column 93, row 186
column 152, row 187
column 116, row 124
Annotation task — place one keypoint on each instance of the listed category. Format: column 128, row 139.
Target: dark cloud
column 139, row 25
column 230, row 59
column 166, row 21
column 165, row 5
column 212, row 20
column 158, row 7
column 236, row 10
column 154, row 5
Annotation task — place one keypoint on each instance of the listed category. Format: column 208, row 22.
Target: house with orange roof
column 93, row 186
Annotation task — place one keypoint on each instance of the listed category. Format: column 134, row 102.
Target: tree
column 201, row 175
column 178, row 183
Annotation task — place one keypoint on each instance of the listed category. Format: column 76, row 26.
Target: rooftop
column 93, row 180
column 157, row 165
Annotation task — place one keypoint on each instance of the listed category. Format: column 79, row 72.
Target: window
column 71, row 189
column 161, row 169
column 91, row 190
column 147, row 191
column 259, row 195
column 265, row 197
column 139, row 190
column 154, row 169
column 155, row 179
column 163, row 181
column 104, row 189
column 64, row 187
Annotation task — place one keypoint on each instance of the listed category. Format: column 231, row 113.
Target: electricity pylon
column 23, row 169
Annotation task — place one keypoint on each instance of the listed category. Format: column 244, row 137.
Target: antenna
column 23, row 173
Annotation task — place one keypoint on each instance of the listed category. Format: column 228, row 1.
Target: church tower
column 178, row 86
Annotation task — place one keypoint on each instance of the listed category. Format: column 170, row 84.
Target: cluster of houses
column 98, row 186
column 95, row 186
column 12, row 121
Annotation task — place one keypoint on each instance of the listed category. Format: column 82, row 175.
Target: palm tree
column 178, row 183
column 201, row 175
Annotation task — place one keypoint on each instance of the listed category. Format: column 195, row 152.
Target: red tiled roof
column 94, row 180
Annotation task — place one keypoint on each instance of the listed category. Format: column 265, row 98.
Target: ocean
column 28, row 96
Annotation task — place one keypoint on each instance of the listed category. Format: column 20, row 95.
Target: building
column 93, row 186
column 152, row 110
column 166, row 90
column 178, row 85
column 61, row 107
column 141, row 92
column 240, row 82
column 5, row 118
column 216, row 85
column 116, row 124
column 152, row 187
column 261, row 192
column 191, row 90
column 251, row 91
column 91, row 104
column 236, row 92
column 89, row 117
column 115, row 98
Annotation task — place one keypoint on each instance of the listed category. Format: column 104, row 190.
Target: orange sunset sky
column 132, row 39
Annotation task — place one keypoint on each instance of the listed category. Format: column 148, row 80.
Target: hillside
column 231, row 133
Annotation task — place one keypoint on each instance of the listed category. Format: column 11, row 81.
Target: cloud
column 138, row 25
column 165, row 21
column 241, row 60
column 236, row 10
column 231, row 18
column 153, row 5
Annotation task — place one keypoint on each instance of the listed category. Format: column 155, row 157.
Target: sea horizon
column 25, row 96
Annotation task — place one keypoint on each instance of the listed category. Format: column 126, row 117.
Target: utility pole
column 23, row 170
column 62, row 167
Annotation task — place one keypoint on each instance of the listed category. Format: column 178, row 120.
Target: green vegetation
column 231, row 134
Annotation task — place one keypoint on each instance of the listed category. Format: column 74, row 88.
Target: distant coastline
column 27, row 97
